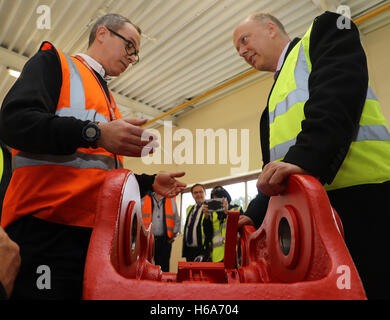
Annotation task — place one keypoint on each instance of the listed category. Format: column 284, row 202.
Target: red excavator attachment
column 297, row 253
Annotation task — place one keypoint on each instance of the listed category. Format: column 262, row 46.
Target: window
column 251, row 190
column 237, row 193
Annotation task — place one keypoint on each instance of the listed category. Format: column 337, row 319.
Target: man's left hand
column 171, row 239
column 272, row 180
column 166, row 184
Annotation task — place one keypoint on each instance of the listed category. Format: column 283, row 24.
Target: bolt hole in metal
column 284, row 236
column 239, row 255
column 133, row 232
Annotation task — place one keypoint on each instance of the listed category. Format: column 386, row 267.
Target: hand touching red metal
column 272, row 180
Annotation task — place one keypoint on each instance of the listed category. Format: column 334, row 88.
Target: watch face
column 91, row 132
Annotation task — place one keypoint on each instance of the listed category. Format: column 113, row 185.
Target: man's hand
column 166, row 184
column 244, row 220
column 9, row 261
column 171, row 240
column 272, row 180
column 125, row 137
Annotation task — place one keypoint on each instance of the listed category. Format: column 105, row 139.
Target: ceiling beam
column 326, row 5
column 12, row 59
column 139, row 109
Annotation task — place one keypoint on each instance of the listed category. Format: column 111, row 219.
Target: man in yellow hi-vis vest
column 322, row 118
column 215, row 223
column 195, row 245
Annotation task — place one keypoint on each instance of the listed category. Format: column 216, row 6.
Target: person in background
column 195, row 246
column 162, row 213
column 215, row 222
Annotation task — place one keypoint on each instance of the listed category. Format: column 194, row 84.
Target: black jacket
column 3, row 294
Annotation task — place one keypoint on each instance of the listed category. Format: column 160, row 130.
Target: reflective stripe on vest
column 1, row 163
column 77, row 107
column 78, row 160
column 169, row 217
column 367, row 159
column 219, row 236
column 147, row 211
column 168, row 210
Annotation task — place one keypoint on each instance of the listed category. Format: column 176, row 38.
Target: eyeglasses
column 130, row 47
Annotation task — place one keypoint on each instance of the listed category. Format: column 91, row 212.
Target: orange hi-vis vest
column 147, row 212
column 64, row 188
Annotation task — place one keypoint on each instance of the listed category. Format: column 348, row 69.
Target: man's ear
column 101, row 34
column 272, row 29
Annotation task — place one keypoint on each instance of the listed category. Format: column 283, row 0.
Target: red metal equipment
column 297, row 253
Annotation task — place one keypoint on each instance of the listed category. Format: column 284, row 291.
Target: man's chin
column 114, row 73
column 260, row 67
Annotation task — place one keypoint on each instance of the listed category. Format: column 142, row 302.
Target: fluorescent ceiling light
column 13, row 72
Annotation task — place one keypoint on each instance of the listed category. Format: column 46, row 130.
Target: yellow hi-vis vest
column 367, row 160
column 219, row 236
column 1, row 163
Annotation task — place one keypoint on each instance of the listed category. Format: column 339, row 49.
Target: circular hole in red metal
column 284, row 236
column 133, row 232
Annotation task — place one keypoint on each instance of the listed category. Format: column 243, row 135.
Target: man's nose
column 131, row 58
column 242, row 51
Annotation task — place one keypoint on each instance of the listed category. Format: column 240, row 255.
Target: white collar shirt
column 95, row 65
column 281, row 58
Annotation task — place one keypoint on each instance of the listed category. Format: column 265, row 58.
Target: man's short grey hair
column 113, row 21
column 263, row 17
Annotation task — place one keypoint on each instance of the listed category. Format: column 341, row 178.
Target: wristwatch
column 91, row 133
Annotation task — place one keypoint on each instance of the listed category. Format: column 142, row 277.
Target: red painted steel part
column 297, row 253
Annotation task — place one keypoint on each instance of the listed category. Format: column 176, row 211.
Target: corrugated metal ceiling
column 186, row 47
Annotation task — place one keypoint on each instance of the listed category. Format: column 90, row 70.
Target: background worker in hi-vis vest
column 67, row 133
column 215, row 223
column 195, row 246
column 162, row 213
column 323, row 119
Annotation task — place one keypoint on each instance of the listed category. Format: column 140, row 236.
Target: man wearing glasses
column 67, row 133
